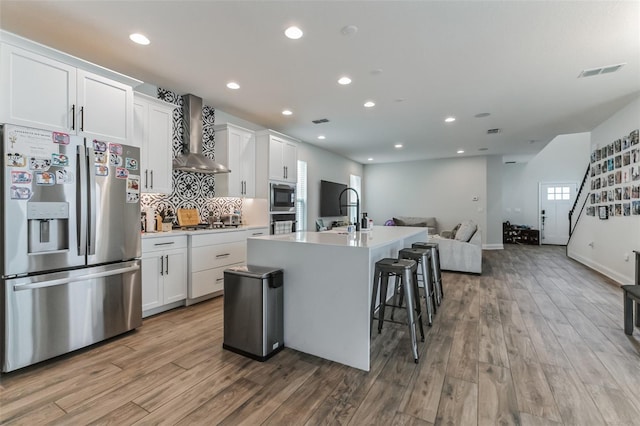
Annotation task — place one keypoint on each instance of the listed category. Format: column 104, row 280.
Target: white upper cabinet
column 236, row 149
column 279, row 153
column 54, row 92
column 153, row 133
column 283, row 157
column 105, row 108
column 37, row 91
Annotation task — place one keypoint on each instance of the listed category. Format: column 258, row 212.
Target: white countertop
column 378, row 236
column 178, row 232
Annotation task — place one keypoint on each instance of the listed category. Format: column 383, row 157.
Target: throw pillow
column 399, row 222
column 454, row 231
column 466, row 231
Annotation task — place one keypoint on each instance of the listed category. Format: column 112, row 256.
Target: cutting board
column 188, row 217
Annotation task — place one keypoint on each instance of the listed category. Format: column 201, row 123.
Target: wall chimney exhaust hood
column 192, row 159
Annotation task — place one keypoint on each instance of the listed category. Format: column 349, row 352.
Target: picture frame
column 603, row 212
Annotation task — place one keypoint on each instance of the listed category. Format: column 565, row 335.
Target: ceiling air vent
column 493, row 131
column 601, row 70
column 320, row 121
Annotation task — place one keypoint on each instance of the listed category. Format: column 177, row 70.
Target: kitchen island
column 327, row 286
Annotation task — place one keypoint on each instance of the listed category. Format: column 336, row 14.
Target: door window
column 558, row 193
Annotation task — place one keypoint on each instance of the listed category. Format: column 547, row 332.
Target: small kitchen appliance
column 230, row 219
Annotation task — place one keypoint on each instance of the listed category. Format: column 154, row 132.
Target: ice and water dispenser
column 48, row 224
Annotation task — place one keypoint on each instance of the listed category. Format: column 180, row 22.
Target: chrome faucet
column 351, row 205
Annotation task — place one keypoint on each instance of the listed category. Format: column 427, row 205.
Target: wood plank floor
column 536, row 340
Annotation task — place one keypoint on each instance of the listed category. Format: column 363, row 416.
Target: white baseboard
column 492, row 247
column 617, row 277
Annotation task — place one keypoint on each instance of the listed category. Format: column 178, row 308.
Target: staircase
column 581, row 200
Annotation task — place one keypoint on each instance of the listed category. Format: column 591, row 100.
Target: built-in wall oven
column 282, row 223
column 282, row 197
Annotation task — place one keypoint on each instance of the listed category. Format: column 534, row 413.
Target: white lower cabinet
column 209, row 255
column 164, row 273
column 257, row 232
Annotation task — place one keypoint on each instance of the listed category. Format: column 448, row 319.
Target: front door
column 556, row 199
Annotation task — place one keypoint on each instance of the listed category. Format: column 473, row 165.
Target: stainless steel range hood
column 192, row 159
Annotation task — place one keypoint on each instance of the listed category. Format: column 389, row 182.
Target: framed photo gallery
column 615, row 178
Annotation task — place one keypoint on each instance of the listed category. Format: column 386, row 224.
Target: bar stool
column 423, row 259
column 435, row 267
column 403, row 270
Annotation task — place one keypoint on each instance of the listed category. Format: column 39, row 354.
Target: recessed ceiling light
column 482, row 115
column 369, row 104
column 344, row 80
column 398, row 145
column 321, row 137
column 450, row 119
column 139, row 38
column 286, row 112
column 233, row 85
column 293, row 33
column 369, row 159
column 349, row 30
column 460, row 151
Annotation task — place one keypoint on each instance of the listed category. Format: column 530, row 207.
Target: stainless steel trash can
column 253, row 319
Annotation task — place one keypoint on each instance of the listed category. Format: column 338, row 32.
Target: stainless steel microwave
column 282, row 197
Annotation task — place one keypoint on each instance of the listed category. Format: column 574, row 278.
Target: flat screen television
column 329, row 205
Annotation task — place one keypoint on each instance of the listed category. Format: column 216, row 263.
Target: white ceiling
column 518, row 60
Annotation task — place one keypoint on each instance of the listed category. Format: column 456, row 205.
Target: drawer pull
column 257, row 233
column 220, row 279
column 222, row 255
column 164, row 244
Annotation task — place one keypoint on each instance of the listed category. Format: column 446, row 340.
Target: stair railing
column 572, row 225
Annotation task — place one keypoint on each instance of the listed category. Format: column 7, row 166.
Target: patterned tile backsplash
column 191, row 190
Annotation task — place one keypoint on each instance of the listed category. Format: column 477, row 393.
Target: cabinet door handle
column 218, row 256
column 161, row 265
column 166, row 270
column 219, row 279
column 82, row 119
column 152, row 179
column 146, row 178
column 257, row 233
column 164, row 244
column 73, row 117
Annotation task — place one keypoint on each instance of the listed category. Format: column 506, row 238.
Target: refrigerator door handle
column 81, row 197
column 60, row 281
column 91, row 238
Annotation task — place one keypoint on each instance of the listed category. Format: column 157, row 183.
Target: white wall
column 493, row 239
column 441, row 188
column 618, row 236
column 564, row 159
column 323, row 165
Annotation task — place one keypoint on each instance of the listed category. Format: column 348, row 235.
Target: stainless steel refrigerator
column 71, row 243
